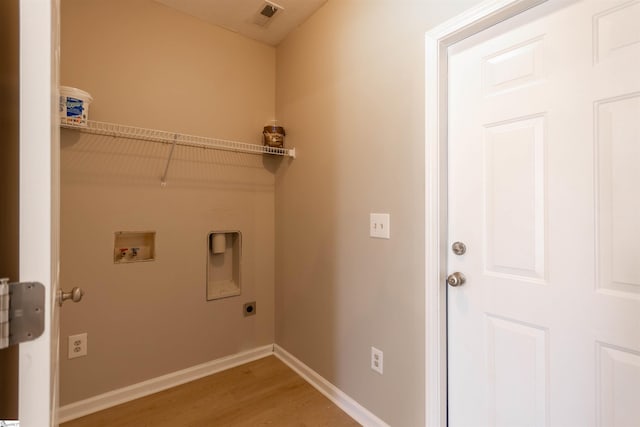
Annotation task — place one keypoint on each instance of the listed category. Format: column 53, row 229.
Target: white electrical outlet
column 377, row 360
column 379, row 225
column 77, row 345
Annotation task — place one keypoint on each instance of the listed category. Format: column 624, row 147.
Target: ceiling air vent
column 266, row 13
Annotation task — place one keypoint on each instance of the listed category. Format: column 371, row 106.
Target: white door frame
column 438, row 40
column 39, row 203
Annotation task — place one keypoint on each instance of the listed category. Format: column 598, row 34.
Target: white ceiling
column 239, row 15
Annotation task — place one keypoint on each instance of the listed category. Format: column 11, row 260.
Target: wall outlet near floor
column 379, row 225
column 376, row 360
column 77, row 345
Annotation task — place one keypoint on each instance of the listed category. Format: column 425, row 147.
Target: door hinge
column 21, row 312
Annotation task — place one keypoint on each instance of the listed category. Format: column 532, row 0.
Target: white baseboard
column 334, row 394
column 154, row 385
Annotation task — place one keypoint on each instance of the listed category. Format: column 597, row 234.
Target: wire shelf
column 131, row 132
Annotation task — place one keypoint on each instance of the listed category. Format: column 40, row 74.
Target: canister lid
column 75, row 93
column 275, row 129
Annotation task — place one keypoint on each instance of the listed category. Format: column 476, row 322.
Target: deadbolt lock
column 459, row 248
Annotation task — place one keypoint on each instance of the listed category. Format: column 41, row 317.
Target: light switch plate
column 380, row 225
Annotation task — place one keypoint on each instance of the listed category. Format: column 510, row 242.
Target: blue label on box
column 74, row 107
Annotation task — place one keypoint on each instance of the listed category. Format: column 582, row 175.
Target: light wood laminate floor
column 265, row 392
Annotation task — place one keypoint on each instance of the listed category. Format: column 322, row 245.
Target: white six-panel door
column 544, row 190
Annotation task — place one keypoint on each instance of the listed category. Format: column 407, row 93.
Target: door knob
column 456, row 279
column 75, row 295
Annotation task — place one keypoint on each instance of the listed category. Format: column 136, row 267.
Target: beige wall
column 9, row 191
column 350, row 93
column 149, row 66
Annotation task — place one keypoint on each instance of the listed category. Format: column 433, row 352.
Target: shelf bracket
column 163, row 180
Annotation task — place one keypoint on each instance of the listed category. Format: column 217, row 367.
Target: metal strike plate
column 26, row 311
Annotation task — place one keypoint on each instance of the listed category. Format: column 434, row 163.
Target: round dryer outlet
column 249, row 309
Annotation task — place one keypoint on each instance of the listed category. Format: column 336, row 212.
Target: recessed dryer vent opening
column 224, row 250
